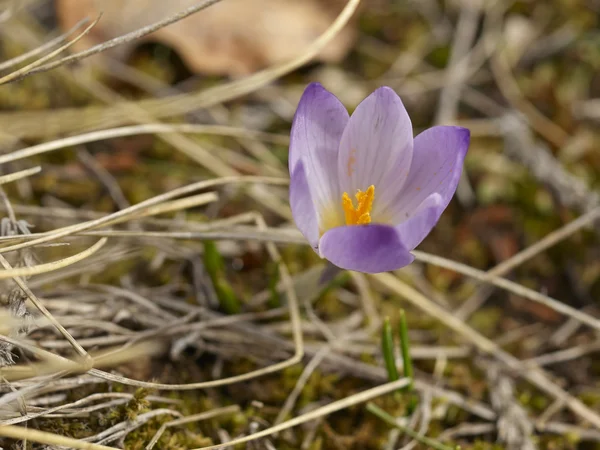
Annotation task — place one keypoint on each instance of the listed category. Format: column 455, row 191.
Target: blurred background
column 522, row 75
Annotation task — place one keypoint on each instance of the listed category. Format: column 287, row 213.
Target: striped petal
column 303, row 207
column 376, row 148
column 316, row 132
column 419, row 225
column 438, row 157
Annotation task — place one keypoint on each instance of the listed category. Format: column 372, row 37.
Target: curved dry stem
column 27, row 271
column 43, row 437
column 78, row 348
column 18, row 74
column 291, row 236
column 149, row 128
column 55, row 365
column 42, row 48
column 9, row 178
column 344, row 403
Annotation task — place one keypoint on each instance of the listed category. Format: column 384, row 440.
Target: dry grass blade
column 238, row 233
column 31, row 296
column 487, row 277
column 167, row 207
column 42, row 437
column 339, row 405
column 19, row 175
column 476, row 300
column 34, row 350
column 149, row 128
column 140, row 207
column 48, row 267
column 54, row 364
column 18, row 74
column 42, row 48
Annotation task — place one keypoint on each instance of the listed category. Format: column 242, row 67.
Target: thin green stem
column 390, row 420
column 274, row 278
column 405, row 349
column 215, row 267
column 406, row 359
column 387, row 348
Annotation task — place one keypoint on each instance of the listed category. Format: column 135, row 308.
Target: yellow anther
column 361, row 214
column 364, row 219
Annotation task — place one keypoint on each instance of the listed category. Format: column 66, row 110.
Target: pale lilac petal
column 437, row 163
column 303, row 207
column 376, row 148
column 365, row 248
column 418, row 226
column 315, row 137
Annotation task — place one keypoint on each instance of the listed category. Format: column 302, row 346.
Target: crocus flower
column 363, row 191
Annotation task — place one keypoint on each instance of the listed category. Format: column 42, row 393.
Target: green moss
column 483, row 445
column 486, row 320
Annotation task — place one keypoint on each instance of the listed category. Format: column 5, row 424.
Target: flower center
column 361, row 214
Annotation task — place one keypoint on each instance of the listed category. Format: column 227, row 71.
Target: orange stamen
column 361, row 214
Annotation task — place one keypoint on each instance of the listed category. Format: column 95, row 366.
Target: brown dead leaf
column 232, row 37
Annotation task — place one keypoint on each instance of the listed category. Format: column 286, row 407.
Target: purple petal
column 315, row 137
column 365, row 248
column 303, row 207
column 438, row 157
column 376, row 148
column 418, row 226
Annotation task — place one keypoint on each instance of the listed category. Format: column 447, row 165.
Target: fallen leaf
column 232, row 37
